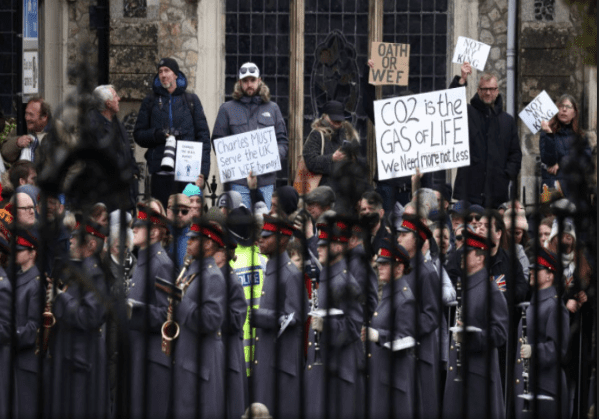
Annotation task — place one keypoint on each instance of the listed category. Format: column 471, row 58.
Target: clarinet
column 317, row 357
column 458, row 319
column 170, row 329
column 525, row 361
column 48, row 321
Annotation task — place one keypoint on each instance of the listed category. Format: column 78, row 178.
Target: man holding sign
column 251, row 109
column 495, row 154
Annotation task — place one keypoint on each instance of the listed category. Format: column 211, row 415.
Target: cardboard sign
column 391, row 64
column 254, row 150
column 542, row 108
column 188, row 162
column 427, row 131
column 472, row 51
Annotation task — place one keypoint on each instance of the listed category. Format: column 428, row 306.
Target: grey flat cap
column 323, row 195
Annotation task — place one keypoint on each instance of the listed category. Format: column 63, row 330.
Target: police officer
column 150, row 374
column 424, row 282
column 471, row 348
column 78, row 386
column 334, row 348
column 542, row 339
column 199, row 353
column 391, row 384
column 279, row 324
column 28, row 293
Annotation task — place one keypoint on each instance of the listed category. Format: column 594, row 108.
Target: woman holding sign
column 558, row 139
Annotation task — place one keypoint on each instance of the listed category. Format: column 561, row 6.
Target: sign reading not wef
column 540, row 109
column 391, row 64
column 254, row 150
column 427, row 131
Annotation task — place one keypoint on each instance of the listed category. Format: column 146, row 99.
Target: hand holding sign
column 471, row 51
column 391, row 64
column 540, row 109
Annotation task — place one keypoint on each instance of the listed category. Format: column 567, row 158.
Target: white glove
column 457, row 337
column 317, row 323
column 373, row 335
column 526, row 351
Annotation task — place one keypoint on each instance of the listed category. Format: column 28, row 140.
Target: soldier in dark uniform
column 393, row 363
column 28, row 293
column 78, row 384
column 361, row 269
column 335, row 351
column 5, row 329
column 236, row 382
column 199, row 353
column 150, row 368
column 425, row 284
column 470, row 349
column 279, row 352
column 542, row 319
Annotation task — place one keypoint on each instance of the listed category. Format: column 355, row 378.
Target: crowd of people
column 413, row 298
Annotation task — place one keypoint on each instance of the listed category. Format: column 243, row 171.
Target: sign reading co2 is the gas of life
column 472, row 51
column 427, row 131
column 188, row 163
column 254, row 150
column 391, row 64
column 540, row 109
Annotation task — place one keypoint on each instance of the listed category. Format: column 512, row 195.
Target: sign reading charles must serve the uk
column 255, row 151
column 428, row 131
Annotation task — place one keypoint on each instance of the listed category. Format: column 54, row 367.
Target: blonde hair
column 321, row 125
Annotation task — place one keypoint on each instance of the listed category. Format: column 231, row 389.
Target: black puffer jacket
column 495, row 155
column 162, row 112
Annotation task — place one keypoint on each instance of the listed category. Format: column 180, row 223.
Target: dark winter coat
column 251, row 113
column 495, row 154
column 279, row 359
column 28, row 318
column 5, row 335
column 546, row 351
column 149, row 366
column 493, row 328
column 162, row 112
column 359, row 266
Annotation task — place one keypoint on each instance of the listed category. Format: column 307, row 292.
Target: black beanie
column 170, row 63
column 288, row 198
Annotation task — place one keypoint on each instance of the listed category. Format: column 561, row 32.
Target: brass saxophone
column 170, row 329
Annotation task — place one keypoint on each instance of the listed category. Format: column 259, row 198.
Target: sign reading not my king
column 428, row 131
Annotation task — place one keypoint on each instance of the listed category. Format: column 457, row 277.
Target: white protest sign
column 254, row 150
column 188, row 162
column 540, row 109
column 472, row 51
column 427, row 131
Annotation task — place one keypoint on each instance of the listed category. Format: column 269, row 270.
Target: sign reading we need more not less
column 428, row 131
column 255, row 151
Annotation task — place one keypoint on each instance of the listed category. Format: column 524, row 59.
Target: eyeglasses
column 179, row 211
column 30, row 208
column 250, row 70
column 487, row 89
column 566, row 107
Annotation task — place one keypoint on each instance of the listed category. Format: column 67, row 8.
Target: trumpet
column 170, row 328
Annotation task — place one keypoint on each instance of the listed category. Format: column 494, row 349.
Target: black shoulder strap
column 188, row 99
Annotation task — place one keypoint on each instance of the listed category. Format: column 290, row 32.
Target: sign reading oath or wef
column 188, row 162
column 540, row 109
column 427, row 131
column 391, row 64
column 254, row 150
column 469, row 50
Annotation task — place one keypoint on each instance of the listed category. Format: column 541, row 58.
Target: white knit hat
column 568, row 227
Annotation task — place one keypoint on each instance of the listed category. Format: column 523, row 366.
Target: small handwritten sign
column 428, row 131
column 188, row 163
column 540, row 109
column 391, row 64
column 254, row 150
column 472, row 51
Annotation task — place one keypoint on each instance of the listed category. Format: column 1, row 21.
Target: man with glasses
column 179, row 214
column 251, row 109
column 495, row 154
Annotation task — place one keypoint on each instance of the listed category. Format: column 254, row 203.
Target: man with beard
column 252, row 109
column 495, row 154
column 170, row 110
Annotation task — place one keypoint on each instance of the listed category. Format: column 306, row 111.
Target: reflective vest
column 249, row 267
